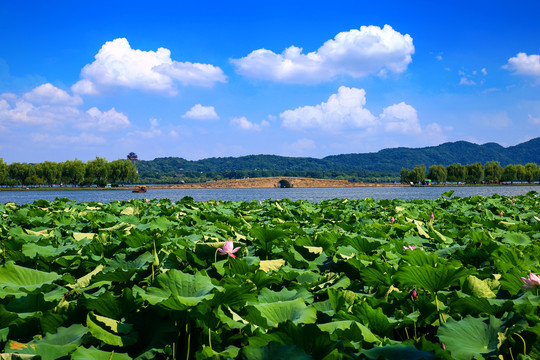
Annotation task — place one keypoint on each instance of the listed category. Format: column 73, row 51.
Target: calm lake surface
column 310, row 194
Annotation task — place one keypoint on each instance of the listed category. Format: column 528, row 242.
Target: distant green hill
column 463, row 152
column 386, row 162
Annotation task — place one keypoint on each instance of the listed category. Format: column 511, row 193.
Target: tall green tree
column 418, row 174
column 509, row 173
column 475, row 173
column 438, row 173
column 520, row 172
column 49, row 172
column 16, row 172
column 4, row 173
column 493, row 171
column 405, row 175
column 122, row 171
column 21, row 173
column 531, row 170
column 97, row 171
column 73, row 172
column 456, row 173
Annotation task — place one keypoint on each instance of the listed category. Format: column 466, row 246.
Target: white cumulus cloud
column 152, row 132
column 466, row 81
column 244, row 124
column 118, row 65
column 81, row 139
column 199, row 112
column 342, row 110
column 48, row 105
column 355, row 53
column 51, row 95
column 524, row 64
column 110, row 120
column 400, row 118
column 534, row 120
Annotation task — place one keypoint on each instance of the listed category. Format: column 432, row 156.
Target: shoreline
column 256, row 183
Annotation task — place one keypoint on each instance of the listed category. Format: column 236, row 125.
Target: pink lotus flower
column 532, row 282
column 392, row 219
column 414, row 295
column 411, row 247
column 228, row 249
column 432, row 216
column 501, row 213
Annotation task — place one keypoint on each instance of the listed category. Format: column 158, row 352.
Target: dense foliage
column 490, row 172
column 384, row 165
column 341, row 279
column 72, row 172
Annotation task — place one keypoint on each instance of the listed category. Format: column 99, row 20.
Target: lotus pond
column 339, row 279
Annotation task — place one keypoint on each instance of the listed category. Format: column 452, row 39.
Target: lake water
column 310, row 194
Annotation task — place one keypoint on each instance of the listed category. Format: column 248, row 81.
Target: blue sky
column 295, row 78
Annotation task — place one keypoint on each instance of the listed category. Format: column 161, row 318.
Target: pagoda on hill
column 132, row 156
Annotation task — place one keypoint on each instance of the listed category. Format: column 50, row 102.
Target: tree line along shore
column 99, row 173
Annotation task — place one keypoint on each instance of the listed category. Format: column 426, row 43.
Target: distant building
column 132, row 156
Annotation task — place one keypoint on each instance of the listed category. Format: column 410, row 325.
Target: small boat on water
column 139, row 189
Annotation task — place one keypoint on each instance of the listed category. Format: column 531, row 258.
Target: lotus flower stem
column 407, row 333
column 524, row 344
column 209, row 338
column 188, row 340
column 441, row 316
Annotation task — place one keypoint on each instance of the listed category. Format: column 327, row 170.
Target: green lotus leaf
column 109, row 305
column 293, row 310
column 110, row 331
column 374, row 319
column 79, row 236
column 398, row 352
column 419, row 257
column 52, row 346
column 32, row 250
column 4, row 334
column 84, row 281
column 274, row 351
column 269, row 296
column 230, row 352
column 365, row 245
column 17, row 277
column 466, row 304
column 176, row 290
column 515, row 238
column 92, row 353
column 334, row 326
column 235, row 295
column 476, row 287
column 470, row 337
column 431, row 278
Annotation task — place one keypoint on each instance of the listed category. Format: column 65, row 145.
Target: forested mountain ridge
column 463, row 152
column 384, row 161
